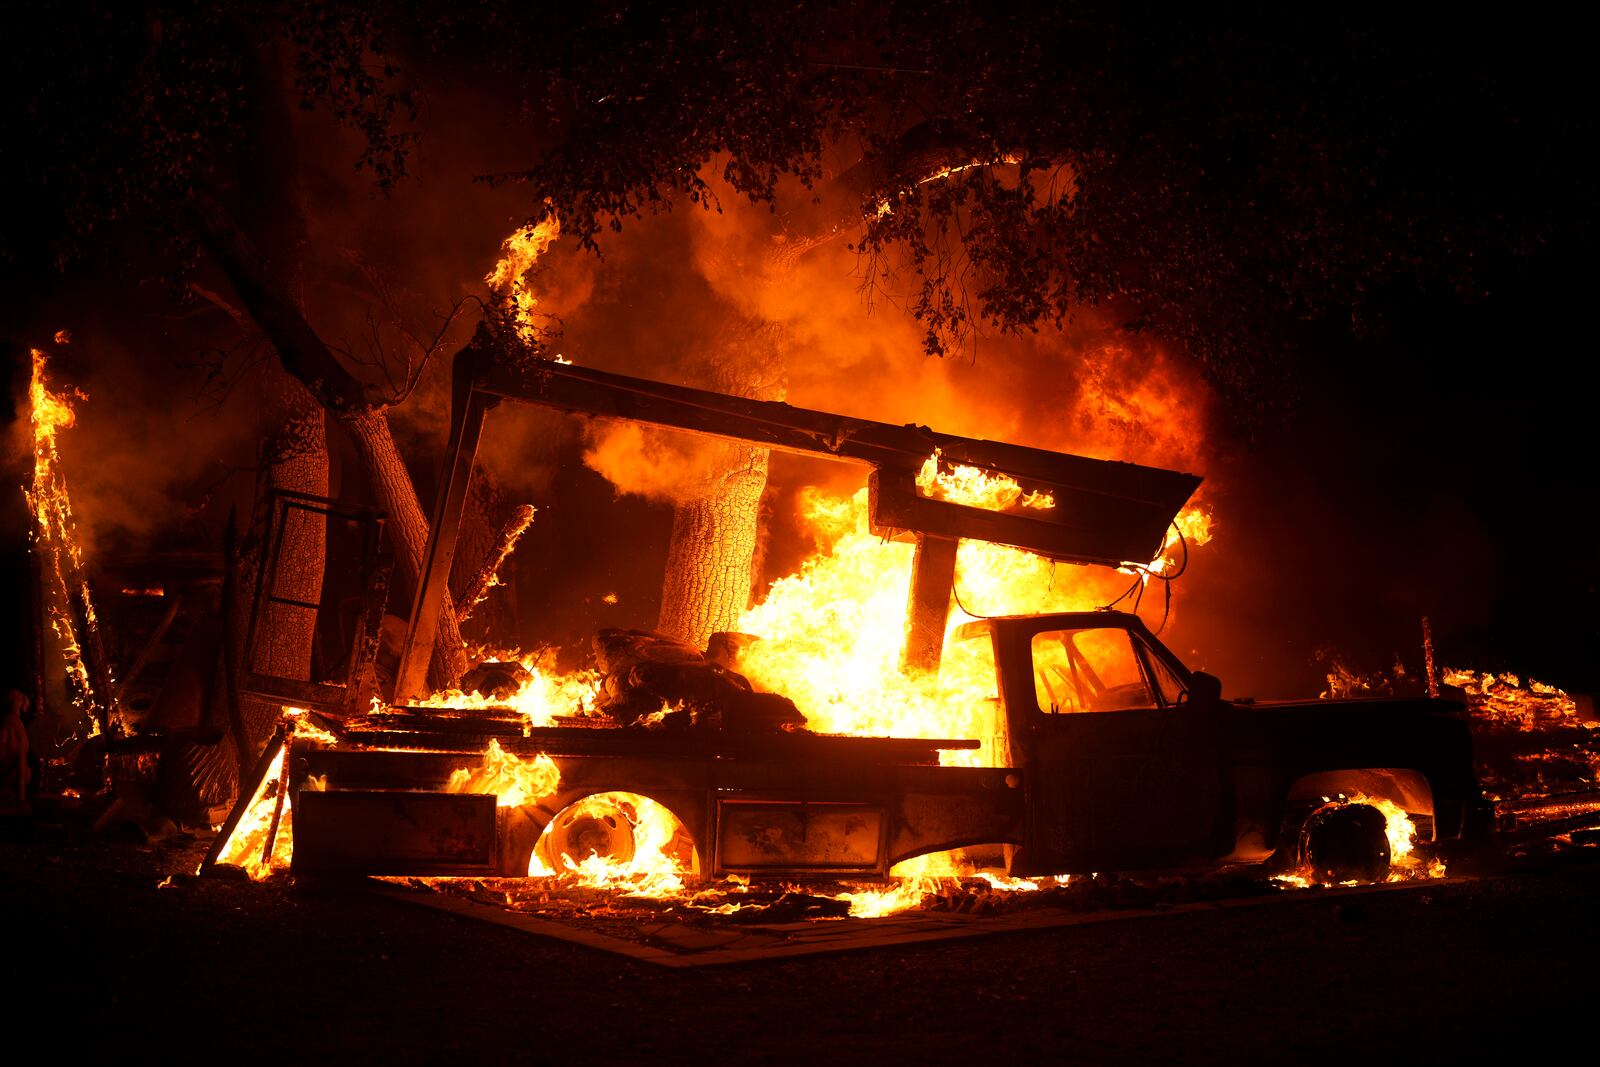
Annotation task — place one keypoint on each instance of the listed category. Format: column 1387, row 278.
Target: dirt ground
column 102, row 960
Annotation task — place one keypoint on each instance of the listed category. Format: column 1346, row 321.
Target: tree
column 1211, row 177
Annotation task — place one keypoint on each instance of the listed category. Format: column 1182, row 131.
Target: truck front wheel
column 1343, row 842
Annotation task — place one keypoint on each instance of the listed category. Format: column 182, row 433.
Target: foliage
column 1210, row 175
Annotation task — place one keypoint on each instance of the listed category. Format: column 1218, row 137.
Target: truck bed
column 471, row 730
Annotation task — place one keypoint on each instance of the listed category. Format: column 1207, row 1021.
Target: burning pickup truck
column 1100, row 749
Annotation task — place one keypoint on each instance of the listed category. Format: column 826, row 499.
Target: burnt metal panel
column 772, row 836
column 394, row 832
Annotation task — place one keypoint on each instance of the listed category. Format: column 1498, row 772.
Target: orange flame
column 975, row 487
column 514, row 781
column 246, row 845
column 508, row 280
column 659, row 859
column 545, row 694
column 54, row 533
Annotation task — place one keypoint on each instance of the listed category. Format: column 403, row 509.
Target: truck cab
column 1128, row 760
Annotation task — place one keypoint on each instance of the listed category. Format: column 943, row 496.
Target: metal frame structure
column 1106, row 512
column 280, row 503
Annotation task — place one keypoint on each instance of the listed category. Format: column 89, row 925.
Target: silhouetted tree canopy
column 1211, row 176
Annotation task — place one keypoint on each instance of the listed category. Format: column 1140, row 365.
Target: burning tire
column 1344, row 842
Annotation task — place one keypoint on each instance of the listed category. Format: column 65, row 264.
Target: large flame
column 509, row 278
column 833, row 632
column 55, row 541
column 514, row 781
column 975, row 487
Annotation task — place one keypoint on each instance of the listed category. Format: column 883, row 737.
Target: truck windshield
column 1095, row 669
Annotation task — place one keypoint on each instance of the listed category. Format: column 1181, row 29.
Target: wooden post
column 411, row 679
column 933, row 578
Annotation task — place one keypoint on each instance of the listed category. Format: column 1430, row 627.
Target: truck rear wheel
column 1344, row 842
column 595, row 826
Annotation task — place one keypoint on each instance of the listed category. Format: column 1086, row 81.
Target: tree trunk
column 712, row 555
column 304, row 355
column 368, row 428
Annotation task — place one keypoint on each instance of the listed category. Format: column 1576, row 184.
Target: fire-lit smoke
column 666, row 467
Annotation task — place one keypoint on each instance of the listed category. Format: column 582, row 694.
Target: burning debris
column 69, row 604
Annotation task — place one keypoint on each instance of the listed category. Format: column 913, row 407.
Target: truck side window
column 1164, row 680
column 1093, row 669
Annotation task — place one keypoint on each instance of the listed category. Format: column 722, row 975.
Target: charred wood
column 505, row 543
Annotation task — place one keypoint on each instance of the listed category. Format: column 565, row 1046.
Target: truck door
column 1124, row 773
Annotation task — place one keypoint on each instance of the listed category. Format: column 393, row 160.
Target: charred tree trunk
column 711, row 560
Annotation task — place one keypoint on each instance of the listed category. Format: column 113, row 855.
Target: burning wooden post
column 505, row 542
column 63, row 591
column 1430, row 672
column 933, row 577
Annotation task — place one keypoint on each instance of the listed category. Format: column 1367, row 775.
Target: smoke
column 666, row 467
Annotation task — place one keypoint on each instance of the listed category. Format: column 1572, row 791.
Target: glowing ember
column 514, row 781
column 1505, row 697
column 975, row 487
column 924, row 876
column 509, row 281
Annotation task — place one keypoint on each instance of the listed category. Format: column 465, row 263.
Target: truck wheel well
column 652, row 825
column 1406, row 788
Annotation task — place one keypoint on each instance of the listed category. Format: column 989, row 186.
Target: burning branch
column 484, row 579
column 64, row 590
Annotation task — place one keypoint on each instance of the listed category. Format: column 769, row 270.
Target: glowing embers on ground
column 934, row 875
column 960, row 483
